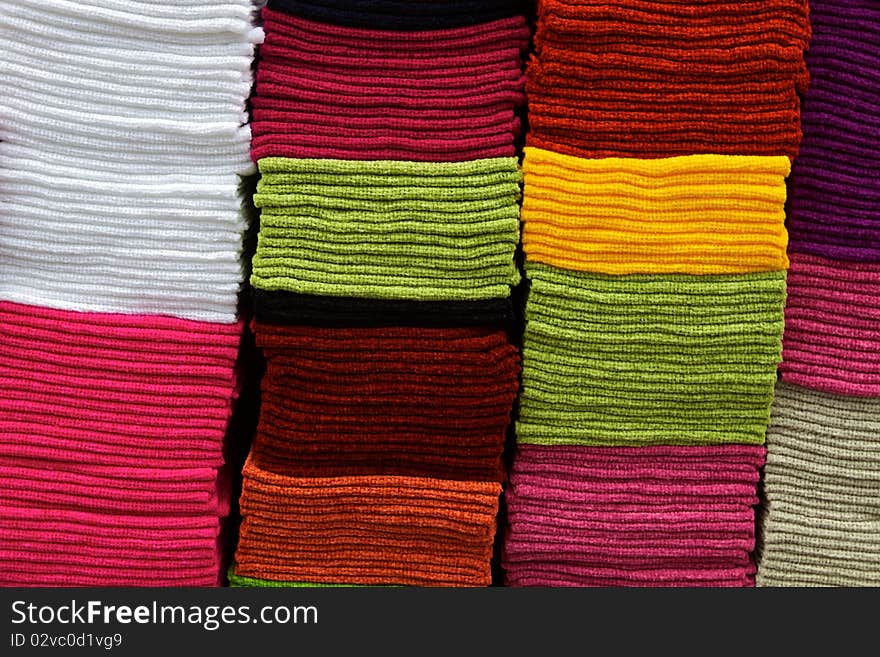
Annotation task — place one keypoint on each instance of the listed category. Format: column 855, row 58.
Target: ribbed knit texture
column 239, row 581
column 59, row 547
column 111, row 437
column 401, row 401
column 623, row 360
column 832, row 326
column 821, row 518
column 384, row 133
column 835, row 204
column 123, row 139
column 367, row 530
column 646, row 79
column 822, row 487
column 103, row 488
column 696, row 214
column 114, row 390
column 325, row 91
column 646, row 516
column 388, row 230
column 121, row 134
column 660, row 137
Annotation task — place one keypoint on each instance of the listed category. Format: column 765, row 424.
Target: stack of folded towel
column 707, row 214
column 383, row 530
column 822, row 478
column 821, row 522
column 643, row 359
column 122, row 138
column 384, row 133
column 427, row 402
column 113, row 389
column 653, row 213
column 646, row 79
column 375, row 92
column 388, row 230
column 640, row 516
column 129, row 123
column 832, row 325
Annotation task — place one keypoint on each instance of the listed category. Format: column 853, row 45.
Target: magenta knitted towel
column 112, row 489
column 326, row 91
column 59, row 547
column 832, row 326
column 612, row 516
column 114, row 390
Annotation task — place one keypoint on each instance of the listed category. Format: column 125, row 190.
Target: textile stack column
column 660, row 138
column 821, row 521
column 122, row 138
column 384, row 134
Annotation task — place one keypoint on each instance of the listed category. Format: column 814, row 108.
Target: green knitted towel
column 388, row 230
column 240, row 581
column 647, row 359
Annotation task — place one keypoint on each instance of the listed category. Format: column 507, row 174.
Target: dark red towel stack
column 400, row 401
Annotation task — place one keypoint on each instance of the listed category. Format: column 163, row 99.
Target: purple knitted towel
column 835, row 203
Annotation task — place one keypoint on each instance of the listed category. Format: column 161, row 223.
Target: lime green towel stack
column 388, row 229
column 644, row 359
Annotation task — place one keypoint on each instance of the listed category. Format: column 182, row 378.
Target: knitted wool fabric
column 325, row 91
column 112, row 489
column 121, row 136
column 402, row 401
column 647, row 516
column 313, row 310
column 642, row 359
column 114, row 390
column 835, row 208
column 60, row 547
column 832, row 326
column 388, row 230
column 385, row 137
column 821, row 524
column 646, row 79
column 111, row 436
column 695, row 214
column 402, row 14
column 821, row 519
column 368, row 530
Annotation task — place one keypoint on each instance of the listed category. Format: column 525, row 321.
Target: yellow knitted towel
column 696, row 214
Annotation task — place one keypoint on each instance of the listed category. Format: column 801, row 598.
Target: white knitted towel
column 123, row 137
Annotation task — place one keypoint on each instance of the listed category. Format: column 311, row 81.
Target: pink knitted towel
column 611, row 516
column 115, row 390
column 832, row 326
column 115, row 490
column 43, row 547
